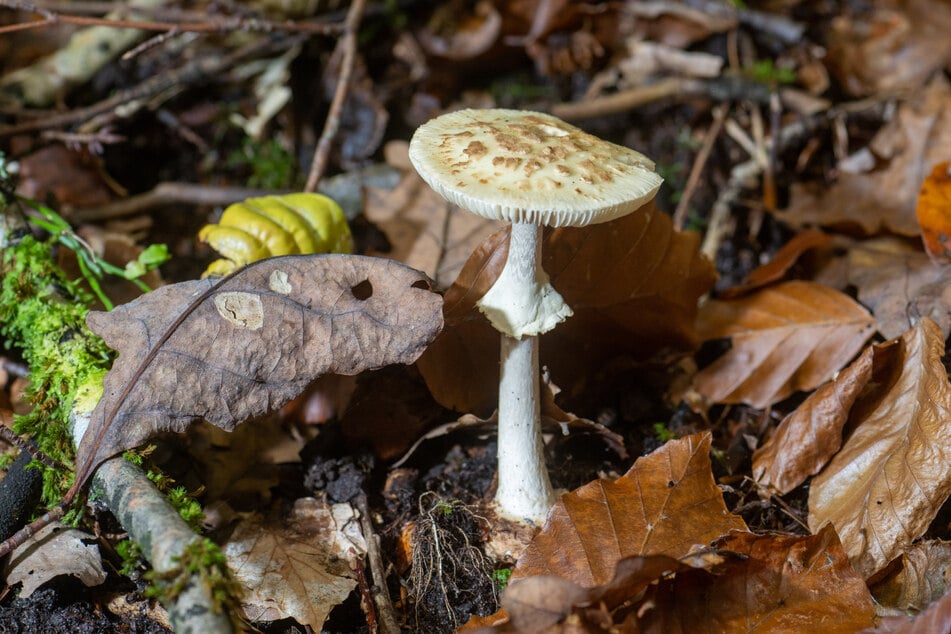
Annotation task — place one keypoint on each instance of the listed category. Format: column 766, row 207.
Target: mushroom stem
column 524, row 490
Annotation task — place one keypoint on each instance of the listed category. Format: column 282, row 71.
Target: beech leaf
column 886, row 484
column 808, row 438
column 778, row 584
column 665, row 504
column 925, row 577
column 297, row 568
column 57, row 550
column 788, row 337
column 235, row 350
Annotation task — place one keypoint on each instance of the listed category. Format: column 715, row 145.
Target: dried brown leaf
column 808, row 438
column 57, row 550
column 665, row 504
column 232, row 351
column 936, row 618
column 780, row 583
column 424, row 231
column 900, row 285
column 789, row 337
column 633, row 285
column 295, row 569
column 900, row 156
column 924, row 578
column 780, row 264
column 888, row 481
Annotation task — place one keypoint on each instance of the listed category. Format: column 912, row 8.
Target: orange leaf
column 780, row 584
column 934, row 213
column 785, row 259
column 789, row 337
column 806, row 439
column 665, row 504
column 885, row 486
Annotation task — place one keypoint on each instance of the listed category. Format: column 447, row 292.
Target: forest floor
column 746, row 419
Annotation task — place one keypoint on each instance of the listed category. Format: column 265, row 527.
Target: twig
column 381, row 597
column 369, row 603
column 12, row 438
column 628, row 99
column 237, row 23
column 196, row 71
column 347, row 45
column 680, row 214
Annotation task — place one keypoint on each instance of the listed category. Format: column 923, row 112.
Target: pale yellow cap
column 525, row 166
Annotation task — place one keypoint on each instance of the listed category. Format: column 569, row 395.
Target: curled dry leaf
column 664, row 505
column 235, row 350
column 780, row 583
column 900, row 285
column 785, row 259
column 789, row 337
column 633, row 285
column 295, row 569
column 886, row 484
column 57, row 550
column 924, row 578
column 936, row 618
column 808, row 438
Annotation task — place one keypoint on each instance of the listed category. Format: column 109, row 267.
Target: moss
column 43, row 314
column 204, row 561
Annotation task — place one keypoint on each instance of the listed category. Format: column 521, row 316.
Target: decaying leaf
column 56, row 550
column 900, row 285
column 899, row 158
column 665, row 504
column 297, row 568
column 788, row 337
column 231, row 351
column 779, row 584
column 808, row 438
column 888, row 481
column 924, row 578
column 776, row 268
column 936, row 618
column 633, row 285
column 745, row 583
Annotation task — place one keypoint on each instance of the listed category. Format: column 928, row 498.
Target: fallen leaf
column 924, row 578
column 893, row 45
column 780, row 264
column 424, row 231
column 55, row 551
column 900, row 285
column 780, row 583
column 934, row 213
column 664, row 505
column 633, row 285
column 296, row 568
column 807, row 439
column 232, row 351
column 788, row 337
column 936, row 618
column 888, row 481
column 900, row 156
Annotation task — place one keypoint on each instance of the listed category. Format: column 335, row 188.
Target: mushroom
column 532, row 170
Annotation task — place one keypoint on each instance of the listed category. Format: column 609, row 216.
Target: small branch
column 628, row 99
column 388, row 623
column 680, row 214
column 347, row 45
column 197, row 71
column 220, row 25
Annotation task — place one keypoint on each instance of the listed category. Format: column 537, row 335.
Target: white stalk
column 522, row 302
column 522, row 295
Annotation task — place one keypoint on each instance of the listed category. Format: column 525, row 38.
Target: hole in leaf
column 423, row 284
column 363, row 290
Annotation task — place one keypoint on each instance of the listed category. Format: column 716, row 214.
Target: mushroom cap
column 532, row 167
